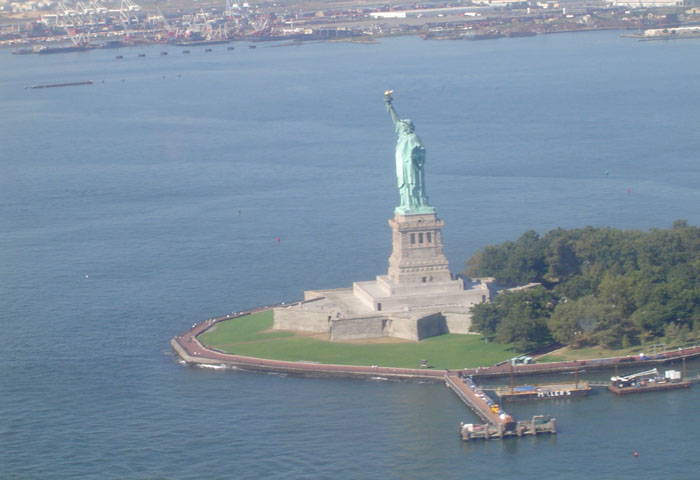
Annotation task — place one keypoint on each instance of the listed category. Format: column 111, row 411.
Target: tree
column 511, row 262
column 485, row 318
column 561, row 260
column 618, row 290
column 515, row 317
column 651, row 319
column 573, row 321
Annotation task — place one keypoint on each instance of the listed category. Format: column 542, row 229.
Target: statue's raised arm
column 410, row 158
column 390, row 107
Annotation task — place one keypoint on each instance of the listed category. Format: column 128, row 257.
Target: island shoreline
column 192, row 352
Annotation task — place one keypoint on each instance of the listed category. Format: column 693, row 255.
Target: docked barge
column 647, row 381
column 543, row 392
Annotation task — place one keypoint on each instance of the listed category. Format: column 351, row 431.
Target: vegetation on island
column 599, row 287
column 251, row 335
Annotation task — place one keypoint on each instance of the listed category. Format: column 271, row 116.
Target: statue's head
column 407, row 126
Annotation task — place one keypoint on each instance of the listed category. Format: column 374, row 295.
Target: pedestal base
column 383, row 295
column 417, row 255
column 418, row 298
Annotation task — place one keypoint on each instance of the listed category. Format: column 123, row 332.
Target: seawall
column 190, row 350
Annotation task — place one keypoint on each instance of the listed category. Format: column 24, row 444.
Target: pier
column 499, row 424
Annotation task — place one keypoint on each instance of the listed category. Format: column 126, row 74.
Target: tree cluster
column 601, row 286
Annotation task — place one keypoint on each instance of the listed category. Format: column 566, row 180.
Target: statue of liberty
column 410, row 158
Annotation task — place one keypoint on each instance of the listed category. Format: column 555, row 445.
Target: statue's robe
column 410, row 157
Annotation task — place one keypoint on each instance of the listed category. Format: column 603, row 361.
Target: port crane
column 159, row 20
column 80, row 14
column 232, row 9
column 73, row 21
column 83, row 17
column 629, row 379
column 128, row 14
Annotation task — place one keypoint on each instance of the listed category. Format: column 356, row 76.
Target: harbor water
column 182, row 187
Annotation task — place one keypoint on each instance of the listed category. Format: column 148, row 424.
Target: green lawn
column 568, row 353
column 246, row 336
column 586, row 353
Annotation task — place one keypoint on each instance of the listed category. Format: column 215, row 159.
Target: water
column 152, row 199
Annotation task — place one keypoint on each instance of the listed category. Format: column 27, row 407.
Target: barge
column 542, row 392
column 68, row 84
column 52, row 50
column 647, row 381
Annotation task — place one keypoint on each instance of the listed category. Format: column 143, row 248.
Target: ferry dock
column 499, row 424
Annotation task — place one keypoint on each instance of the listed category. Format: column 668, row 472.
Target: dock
column 499, row 424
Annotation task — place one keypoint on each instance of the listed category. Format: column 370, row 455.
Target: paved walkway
column 191, row 350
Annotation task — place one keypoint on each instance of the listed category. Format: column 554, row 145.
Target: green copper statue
column 410, row 158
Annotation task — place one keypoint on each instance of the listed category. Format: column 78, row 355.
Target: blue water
column 133, row 207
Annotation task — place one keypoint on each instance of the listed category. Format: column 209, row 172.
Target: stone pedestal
column 416, row 299
column 417, row 255
column 419, row 276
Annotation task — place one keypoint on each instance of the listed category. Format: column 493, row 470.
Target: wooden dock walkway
column 480, row 403
column 499, row 424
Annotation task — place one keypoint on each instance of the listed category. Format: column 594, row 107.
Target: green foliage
column 514, row 262
column 651, row 319
column 576, row 287
column 610, row 287
column 561, row 259
column 515, row 317
column 486, row 317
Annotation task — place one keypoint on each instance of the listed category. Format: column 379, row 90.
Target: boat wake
column 212, row 366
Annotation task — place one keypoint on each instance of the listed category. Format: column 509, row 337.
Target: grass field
column 586, row 353
column 568, row 353
column 249, row 336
